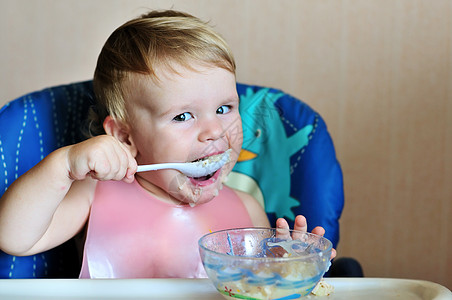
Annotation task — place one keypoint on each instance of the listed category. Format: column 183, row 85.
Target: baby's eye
column 183, row 117
column 223, row 109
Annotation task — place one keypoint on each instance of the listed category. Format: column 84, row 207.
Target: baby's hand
column 301, row 224
column 101, row 157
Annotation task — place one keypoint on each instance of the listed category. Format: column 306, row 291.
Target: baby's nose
column 211, row 130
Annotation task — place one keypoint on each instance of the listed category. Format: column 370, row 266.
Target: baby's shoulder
column 254, row 208
column 244, row 197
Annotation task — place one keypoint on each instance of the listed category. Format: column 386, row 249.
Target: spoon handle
column 154, row 167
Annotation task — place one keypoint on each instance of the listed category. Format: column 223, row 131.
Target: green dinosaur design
column 264, row 166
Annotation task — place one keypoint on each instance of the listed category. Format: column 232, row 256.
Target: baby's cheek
column 235, row 135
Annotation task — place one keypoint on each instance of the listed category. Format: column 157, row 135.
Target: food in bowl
column 264, row 263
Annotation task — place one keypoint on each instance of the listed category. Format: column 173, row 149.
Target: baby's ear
column 121, row 131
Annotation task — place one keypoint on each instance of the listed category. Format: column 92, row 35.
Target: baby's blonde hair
column 158, row 39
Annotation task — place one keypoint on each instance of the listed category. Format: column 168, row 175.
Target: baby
column 166, row 92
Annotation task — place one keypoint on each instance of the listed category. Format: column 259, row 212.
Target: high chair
column 288, row 161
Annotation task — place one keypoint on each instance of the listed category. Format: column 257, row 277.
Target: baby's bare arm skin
column 29, row 206
column 255, row 210
column 51, row 202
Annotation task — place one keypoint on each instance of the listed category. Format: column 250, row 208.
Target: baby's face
column 182, row 118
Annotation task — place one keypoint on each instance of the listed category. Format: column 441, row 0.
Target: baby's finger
column 131, row 165
column 300, row 224
column 123, row 164
column 282, row 229
column 111, row 163
column 103, row 165
column 319, row 230
column 333, row 253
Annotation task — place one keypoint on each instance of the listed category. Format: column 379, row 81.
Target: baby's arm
column 255, row 210
column 50, row 203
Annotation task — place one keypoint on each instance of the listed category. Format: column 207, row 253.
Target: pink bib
column 131, row 234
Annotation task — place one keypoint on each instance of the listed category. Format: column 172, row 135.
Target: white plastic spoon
column 194, row 169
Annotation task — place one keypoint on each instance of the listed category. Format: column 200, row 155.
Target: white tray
column 202, row 289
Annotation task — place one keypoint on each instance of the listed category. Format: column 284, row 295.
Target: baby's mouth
column 204, row 178
column 212, row 163
column 207, row 179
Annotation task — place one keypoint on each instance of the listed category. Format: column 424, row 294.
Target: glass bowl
column 264, row 263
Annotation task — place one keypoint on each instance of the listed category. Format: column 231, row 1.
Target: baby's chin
column 196, row 192
column 197, row 195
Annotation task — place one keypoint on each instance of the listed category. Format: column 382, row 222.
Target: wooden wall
column 379, row 71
